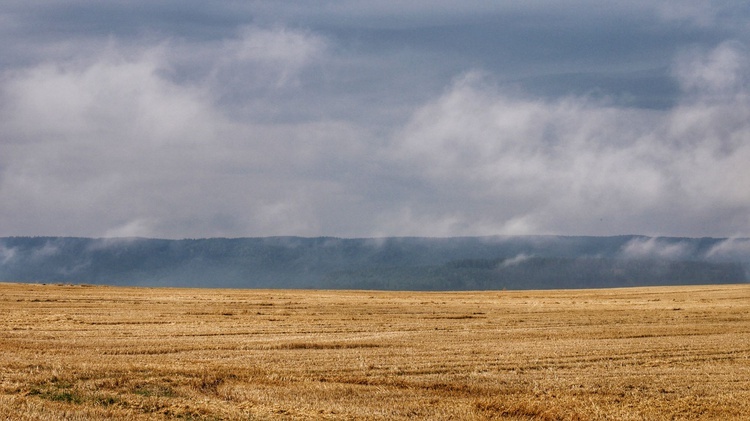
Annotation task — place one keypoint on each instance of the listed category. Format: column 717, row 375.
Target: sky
column 187, row 119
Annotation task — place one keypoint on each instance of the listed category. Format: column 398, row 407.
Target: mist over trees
column 396, row 263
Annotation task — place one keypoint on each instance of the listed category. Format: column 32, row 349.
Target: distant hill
column 397, row 263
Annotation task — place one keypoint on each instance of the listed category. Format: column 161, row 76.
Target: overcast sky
column 182, row 119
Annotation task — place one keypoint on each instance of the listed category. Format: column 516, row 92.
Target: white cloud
column 732, row 249
column 518, row 259
column 285, row 51
column 7, row 254
column 99, row 140
column 47, row 250
column 576, row 165
column 260, row 62
column 720, row 72
column 113, row 98
column 643, row 248
column 528, row 162
column 111, row 146
column 131, row 140
column 136, row 228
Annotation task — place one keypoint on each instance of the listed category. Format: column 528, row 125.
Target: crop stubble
column 82, row 352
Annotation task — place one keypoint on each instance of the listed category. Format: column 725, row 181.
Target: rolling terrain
column 98, row 352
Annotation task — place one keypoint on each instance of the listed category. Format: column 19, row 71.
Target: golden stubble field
column 83, row 352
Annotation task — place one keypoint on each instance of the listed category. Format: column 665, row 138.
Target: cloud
column 257, row 74
column 732, row 249
column 109, row 243
column 516, row 260
column 307, row 123
column 718, row 73
column 7, row 254
column 702, row 14
column 580, row 165
column 528, row 163
column 47, row 250
column 114, row 145
column 136, row 228
column 651, row 248
column 17, row 255
column 120, row 97
column 93, row 139
column 280, row 53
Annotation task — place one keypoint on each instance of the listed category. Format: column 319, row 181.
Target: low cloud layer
column 657, row 248
column 301, row 127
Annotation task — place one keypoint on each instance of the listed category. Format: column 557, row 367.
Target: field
column 83, row 352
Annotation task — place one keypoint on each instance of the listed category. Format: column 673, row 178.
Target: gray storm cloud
column 287, row 130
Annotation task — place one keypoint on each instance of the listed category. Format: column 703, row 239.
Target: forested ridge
column 396, row 263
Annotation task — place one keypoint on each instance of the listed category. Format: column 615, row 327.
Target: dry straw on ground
column 76, row 352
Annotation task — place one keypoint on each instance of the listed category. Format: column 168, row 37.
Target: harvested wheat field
column 83, row 352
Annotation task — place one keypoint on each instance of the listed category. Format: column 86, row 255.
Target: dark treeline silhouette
column 399, row 263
